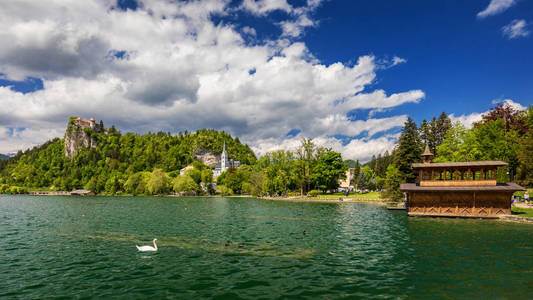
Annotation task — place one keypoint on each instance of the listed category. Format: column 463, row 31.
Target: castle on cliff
column 76, row 137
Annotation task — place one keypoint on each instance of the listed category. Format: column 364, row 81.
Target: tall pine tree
column 409, row 150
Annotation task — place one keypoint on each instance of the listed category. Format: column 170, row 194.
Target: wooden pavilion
column 458, row 189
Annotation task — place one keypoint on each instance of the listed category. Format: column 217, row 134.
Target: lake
column 84, row 247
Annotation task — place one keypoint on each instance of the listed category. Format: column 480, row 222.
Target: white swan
column 147, row 248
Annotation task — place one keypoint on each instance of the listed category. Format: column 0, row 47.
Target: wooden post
column 474, row 206
column 468, row 175
column 432, row 174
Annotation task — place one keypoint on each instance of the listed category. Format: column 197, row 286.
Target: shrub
column 313, row 193
column 186, row 185
column 224, row 190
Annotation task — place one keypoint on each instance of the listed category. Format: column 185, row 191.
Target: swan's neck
column 155, row 245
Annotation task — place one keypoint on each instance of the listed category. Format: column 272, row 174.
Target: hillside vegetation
column 108, row 166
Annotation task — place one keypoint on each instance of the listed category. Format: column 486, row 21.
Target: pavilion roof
column 511, row 186
column 488, row 163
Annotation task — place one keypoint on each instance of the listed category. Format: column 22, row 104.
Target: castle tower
column 92, row 123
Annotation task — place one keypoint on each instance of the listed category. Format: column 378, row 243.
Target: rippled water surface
column 84, row 247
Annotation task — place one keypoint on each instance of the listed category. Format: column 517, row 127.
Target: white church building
column 224, row 163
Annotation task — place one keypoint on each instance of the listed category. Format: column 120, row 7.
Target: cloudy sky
column 345, row 73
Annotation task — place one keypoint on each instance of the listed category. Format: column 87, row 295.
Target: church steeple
column 223, row 158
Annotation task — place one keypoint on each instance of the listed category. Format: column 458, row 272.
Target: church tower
column 223, row 158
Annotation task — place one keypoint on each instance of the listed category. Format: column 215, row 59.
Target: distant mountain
column 3, row 156
column 350, row 163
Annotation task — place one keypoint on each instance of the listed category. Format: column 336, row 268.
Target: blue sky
column 345, row 73
column 460, row 61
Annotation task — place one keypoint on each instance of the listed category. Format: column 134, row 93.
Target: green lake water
column 84, row 247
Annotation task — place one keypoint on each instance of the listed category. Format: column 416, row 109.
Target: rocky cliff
column 81, row 133
column 207, row 157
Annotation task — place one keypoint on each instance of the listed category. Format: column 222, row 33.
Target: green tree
column 459, row 144
column 234, row 180
column 132, row 184
column 525, row 153
column 158, row 183
column 443, row 124
column 185, row 184
column 207, row 176
column 304, row 164
column 195, row 174
column 224, row 191
column 367, row 179
column 393, row 180
column 112, row 185
column 328, row 169
column 91, row 185
column 408, row 150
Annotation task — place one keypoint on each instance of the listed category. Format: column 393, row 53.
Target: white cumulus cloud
column 515, row 29
column 166, row 66
column 495, row 7
column 469, row 119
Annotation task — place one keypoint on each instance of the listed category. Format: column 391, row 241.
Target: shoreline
column 288, row 199
column 344, row 200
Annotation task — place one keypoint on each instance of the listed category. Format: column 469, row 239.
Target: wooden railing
column 458, row 182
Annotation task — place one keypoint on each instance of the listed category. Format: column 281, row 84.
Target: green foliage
column 224, row 191
column 328, row 169
column 304, row 164
column 459, row 144
column 313, row 193
column 158, row 183
column 367, row 179
column 408, row 150
column 91, row 185
column 109, row 166
column 132, row 184
column 184, row 184
column 393, row 180
column 112, row 184
column 351, row 163
column 277, row 172
column 234, row 180
column 206, row 176
column 195, row 174
column 503, row 134
column 525, row 153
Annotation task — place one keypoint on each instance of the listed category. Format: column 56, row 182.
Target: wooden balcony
column 490, row 182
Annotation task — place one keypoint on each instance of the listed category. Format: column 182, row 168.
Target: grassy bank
column 365, row 197
column 522, row 212
column 370, row 196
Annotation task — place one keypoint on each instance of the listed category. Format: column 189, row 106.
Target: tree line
column 503, row 133
column 150, row 164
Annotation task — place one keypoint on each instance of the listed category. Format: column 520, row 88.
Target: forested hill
column 115, row 155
